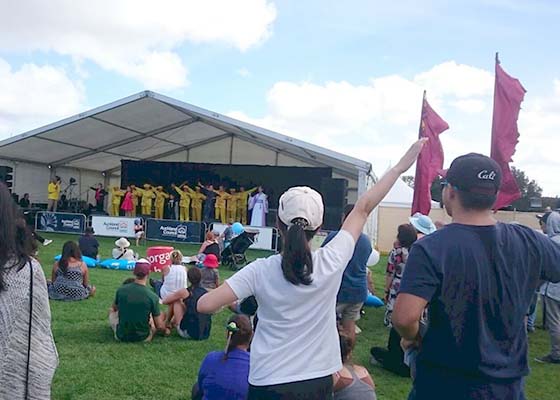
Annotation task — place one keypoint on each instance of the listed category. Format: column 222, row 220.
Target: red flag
column 430, row 159
column 508, row 95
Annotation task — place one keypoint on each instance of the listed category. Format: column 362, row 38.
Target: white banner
column 113, row 226
column 263, row 240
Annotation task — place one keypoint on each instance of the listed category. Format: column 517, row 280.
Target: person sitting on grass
column 89, row 246
column 210, row 274
column 135, row 315
column 70, row 276
column 224, row 374
column 353, row 381
column 122, row 251
column 174, row 278
column 210, row 245
column 189, row 322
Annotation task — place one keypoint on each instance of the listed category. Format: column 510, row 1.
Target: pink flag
column 508, row 95
column 430, row 159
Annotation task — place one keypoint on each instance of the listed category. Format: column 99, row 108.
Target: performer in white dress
column 259, row 205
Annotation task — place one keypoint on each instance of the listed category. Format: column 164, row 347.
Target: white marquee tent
column 89, row 146
column 401, row 195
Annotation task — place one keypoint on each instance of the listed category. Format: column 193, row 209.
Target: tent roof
column 150, row 126
column 401, row 195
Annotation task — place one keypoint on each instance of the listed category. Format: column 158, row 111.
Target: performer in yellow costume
column 232, row 206
column 185, row 202
column 53, row 194
column 196, row 203
column 242, row 204
column 116, row 196
column 135, row 195
column 147, row 195
column 161, row 196
column 221, row 199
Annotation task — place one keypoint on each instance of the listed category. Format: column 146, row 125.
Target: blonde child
column 174, row 279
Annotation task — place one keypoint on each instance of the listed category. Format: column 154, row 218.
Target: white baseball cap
column 301, row 202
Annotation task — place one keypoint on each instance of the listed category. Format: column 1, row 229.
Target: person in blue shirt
column 224, row 374
column 477, row 276
column 353, row 290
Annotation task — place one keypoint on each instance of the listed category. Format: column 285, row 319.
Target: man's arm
column 406, row 315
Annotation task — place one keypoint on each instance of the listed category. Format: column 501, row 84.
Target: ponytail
column 239, row 331
column 297, row 263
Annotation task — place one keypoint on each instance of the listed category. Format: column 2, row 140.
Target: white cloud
column 34, row 95
column 376, row 121
column 135, row 38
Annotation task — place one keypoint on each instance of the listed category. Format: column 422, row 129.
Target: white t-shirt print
column 296, row 338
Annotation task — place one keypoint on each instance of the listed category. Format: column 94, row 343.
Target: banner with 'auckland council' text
column 113, row 226
column 175, row 231
column 60, row 222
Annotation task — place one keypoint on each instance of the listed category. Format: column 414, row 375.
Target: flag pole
column 497, row 58
column 421, row 115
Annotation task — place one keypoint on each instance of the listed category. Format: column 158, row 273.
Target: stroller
column 234, row 255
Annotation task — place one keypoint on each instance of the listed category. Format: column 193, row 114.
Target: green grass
column 94, row 366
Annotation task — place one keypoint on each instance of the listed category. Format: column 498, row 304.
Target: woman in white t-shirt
column 296, row 349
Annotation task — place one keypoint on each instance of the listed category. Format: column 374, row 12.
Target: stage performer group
column 198, row 203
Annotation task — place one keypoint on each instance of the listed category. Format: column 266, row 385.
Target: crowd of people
column 458, row 298
column 183, row 202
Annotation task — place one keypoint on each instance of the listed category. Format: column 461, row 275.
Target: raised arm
column 354, row 223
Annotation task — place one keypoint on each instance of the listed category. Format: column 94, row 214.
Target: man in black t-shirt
column 477, row 276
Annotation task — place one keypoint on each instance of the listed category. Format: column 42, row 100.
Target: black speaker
column 334, row 192
column 332, row 219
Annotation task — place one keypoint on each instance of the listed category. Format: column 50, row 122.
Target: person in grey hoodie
column 551, row 294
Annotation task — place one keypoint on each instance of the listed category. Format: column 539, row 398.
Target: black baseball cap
column 474, row 173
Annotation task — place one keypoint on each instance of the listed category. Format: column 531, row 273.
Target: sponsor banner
column 264, row 240
column 60, row 222
column 113, row 226
column 175, row 231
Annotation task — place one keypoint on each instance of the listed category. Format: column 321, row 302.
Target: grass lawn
column 94, row 366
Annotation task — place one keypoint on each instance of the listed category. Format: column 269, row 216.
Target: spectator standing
column 295, row 350
column 24, row 305
column 551, row 296
column 353, row 290
column 478, row 277
column 392, row 357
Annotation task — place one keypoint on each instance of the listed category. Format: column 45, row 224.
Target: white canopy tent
column 89, row 146
column 401, row 195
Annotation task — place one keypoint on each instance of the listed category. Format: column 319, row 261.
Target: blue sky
column 345, row 75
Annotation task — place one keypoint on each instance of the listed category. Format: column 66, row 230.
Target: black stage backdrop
column 275, row 180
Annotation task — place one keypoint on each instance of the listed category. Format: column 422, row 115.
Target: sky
column 348, row 76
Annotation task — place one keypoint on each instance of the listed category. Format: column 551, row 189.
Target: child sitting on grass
column 210, row 275
column 189, row 322
column 174, row 278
